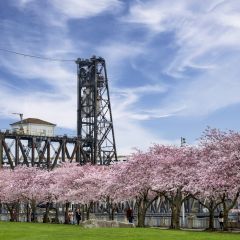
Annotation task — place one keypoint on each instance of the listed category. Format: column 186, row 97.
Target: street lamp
column 183, row 141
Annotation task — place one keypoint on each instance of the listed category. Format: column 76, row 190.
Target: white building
column 34, row 126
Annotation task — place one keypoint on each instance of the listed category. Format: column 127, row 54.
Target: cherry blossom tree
column 174, row 168
column 220, row 167
column 26, row 185
column 62, row 179
column 208, row 172
column 7, row 194
column 134, row 182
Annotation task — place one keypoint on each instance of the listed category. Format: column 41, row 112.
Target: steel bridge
column 95, row 141
column 44, row 152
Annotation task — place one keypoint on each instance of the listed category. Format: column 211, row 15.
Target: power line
column 35, row 56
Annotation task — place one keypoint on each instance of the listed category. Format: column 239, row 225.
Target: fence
column 151, row 220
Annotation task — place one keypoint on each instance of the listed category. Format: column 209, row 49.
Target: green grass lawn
column 37, row 231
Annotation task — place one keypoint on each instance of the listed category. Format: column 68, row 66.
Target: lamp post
column 183, row 142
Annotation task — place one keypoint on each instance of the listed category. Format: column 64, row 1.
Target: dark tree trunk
column 225, row 218
column 113, row 213
column 110, row 209
column 88, row 209
column 175, row 217
column 34, row 211
column 12, row 217
column 56, row 220
column 176, row 203
column 46, row 215
column 28, row 212
column 141, row 216
column 211, row 207
column 211, row 219
column 227, row 208
column 83, row 214
column 67, row 220
column 142, row 206
column 17, row 217
column 12, row 210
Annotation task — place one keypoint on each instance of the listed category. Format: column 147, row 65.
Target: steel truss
column 44, row 152
column 94, row 115
column 159, row 206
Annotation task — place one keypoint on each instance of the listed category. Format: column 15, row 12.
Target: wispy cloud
column 84, row 9
column 125, row 103
column 57, row 103
column 58, row 12
column 164, row 58
column 207, row 39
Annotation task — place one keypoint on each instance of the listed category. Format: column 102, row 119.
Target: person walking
column 130, row 215
column 221, row 220
column 70, row 216
column 78, row 216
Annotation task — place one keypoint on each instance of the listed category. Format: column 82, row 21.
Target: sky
column 173, row 66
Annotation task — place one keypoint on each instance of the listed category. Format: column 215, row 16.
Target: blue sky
column 173, row 66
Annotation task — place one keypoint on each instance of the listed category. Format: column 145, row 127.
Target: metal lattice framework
column 44, row 152
column 95, row 142
column 94, row 115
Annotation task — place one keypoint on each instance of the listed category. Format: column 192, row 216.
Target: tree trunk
column 113, row 213
column 82, row 210
column 211, row 219
column 227, row 208
column 46, row 215
column 12, row 217
column 34, row 211
column 143, row 204
column 56, row 213
column 17, row 217
column 12, row 211
column 141, row 212
column 175, row 218
column 176, row 204
column 211, row 206
column 28, row 212
column 67, row 220
column 141, row 217
column 88, row 208
column 225, row 218
column 111, row 210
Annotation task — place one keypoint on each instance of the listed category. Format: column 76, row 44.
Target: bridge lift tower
column 94, row 115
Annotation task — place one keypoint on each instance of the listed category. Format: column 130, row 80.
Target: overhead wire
column 36, row 56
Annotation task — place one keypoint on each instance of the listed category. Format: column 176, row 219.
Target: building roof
column 33, row 121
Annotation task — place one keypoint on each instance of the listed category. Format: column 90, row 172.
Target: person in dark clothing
column 130, row 215
column 78, row 216
column 220, row 219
